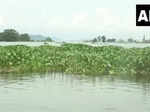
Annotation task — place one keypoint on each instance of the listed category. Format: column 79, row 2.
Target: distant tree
column 131, row 40
column 94, row 40
column 48, row 39
column 24, row 37
column 111, row 40
column 103, row 38
column 9, row 35
column 98, row 38
column 1, row 39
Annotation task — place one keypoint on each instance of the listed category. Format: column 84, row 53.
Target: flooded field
column 126, row 45
column 74, row 93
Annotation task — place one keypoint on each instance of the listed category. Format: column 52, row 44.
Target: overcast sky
column 73, row 19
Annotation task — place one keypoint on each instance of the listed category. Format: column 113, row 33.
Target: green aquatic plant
column 75, row 58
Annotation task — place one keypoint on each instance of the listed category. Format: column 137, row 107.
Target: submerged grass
column 75, row 58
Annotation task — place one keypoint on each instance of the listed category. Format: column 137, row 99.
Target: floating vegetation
column 75, row 58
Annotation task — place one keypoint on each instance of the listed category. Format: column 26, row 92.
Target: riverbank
column 74, row 59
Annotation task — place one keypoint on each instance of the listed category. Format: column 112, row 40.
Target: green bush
column 76, row 59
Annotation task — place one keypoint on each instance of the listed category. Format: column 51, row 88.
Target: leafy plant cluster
column 76, row 59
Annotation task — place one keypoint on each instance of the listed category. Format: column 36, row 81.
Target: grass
column 75, row 59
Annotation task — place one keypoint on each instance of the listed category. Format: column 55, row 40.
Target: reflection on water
column 74, row 93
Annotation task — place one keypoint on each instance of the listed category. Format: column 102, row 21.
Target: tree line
column 101, row 39
column 11, row 35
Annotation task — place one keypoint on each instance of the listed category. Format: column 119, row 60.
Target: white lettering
column 143, row 16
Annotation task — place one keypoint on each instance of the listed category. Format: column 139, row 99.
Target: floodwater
column 125, row 45
column 74, row 93
column 29, row 43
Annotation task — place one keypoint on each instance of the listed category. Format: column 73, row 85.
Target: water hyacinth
column 75, row 58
